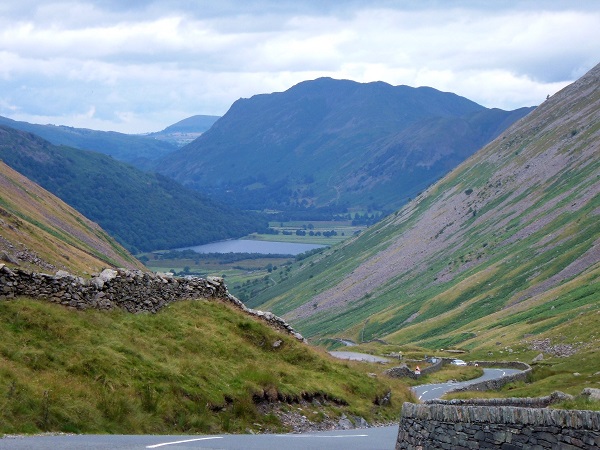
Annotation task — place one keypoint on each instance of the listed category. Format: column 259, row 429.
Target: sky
column 137, row 66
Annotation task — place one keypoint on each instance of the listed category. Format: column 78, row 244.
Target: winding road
column 433, row 391
column 378, row 438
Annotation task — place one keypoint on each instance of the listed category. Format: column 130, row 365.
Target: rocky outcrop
column 493, row 424
column 132, row 290
column 591, row 393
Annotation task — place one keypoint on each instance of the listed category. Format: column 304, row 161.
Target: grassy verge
column 195, row 367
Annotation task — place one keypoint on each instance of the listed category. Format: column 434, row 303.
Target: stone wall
column 531, row 402
column 494, row 424
column 132, row 290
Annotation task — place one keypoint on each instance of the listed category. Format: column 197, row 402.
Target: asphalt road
column 381, row 438
column 433, row 391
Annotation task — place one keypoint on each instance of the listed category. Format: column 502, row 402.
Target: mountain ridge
column 136, row 150
column 316, row 144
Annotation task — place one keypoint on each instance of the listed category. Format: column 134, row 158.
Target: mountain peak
column 363, row 145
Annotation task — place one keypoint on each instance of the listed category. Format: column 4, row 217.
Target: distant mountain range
column 184, row 131
column 335, row 144
column 503, row 252
column 139, row 151
column 142, row 211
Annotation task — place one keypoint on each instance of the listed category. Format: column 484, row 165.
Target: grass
column 343, row 228
column 195, row 367
column 579, row 402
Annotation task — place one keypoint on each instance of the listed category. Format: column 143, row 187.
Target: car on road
column 458, row 362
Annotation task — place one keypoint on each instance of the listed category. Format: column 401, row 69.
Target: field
column 247, row 275
column 313, row 232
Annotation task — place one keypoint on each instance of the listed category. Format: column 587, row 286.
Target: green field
column 312, row 232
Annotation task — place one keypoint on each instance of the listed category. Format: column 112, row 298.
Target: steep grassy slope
column 505, row 249
column 140, row 151
column 335, row 143
column 195, row 367
column 142, row 211
column 41, row 233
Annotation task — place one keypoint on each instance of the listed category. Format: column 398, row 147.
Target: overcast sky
column 140, row 65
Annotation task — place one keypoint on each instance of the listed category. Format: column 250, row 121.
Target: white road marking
column 316, row 436
column 183, row 442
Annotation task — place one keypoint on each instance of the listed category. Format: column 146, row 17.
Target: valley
column 300, row 224
column 494, row 257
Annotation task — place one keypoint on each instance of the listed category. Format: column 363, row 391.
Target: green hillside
column 502, row 252
column 142, row 211
column 194, row 367
column 137, row 150
column 43, row 234
column 335, row 145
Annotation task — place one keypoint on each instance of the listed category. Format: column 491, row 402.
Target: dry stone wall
column 507, row 424
column 132, row 290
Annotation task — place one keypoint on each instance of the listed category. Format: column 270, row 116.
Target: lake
column 252, row 246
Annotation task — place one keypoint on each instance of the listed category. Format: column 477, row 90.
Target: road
column 380, row 438
column 433, row 391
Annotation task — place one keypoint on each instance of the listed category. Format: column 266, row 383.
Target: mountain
column 41, row 233
column 185, row 131
column 503, row 251
column 142, row 211
column 139, row 151
column 335, row 143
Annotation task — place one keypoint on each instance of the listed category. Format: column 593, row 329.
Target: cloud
column 142, row 65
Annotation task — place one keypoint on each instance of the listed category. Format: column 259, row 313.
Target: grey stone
column 344, row 423
column 108, row 274
column 591, row 393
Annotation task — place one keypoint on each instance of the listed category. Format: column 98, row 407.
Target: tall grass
column 195, row 367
